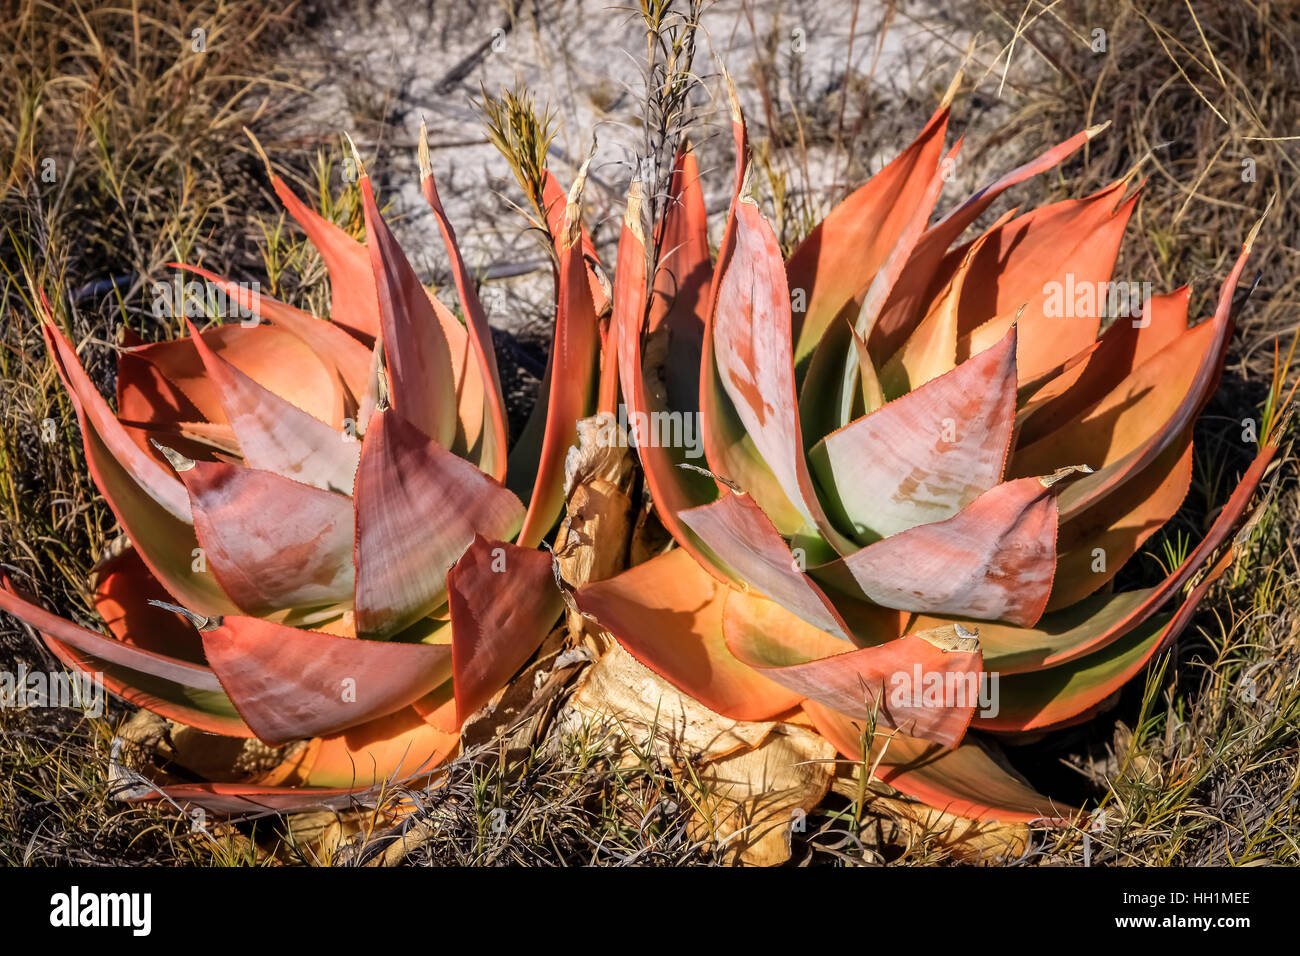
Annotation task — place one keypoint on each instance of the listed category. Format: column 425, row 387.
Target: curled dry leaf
column 752, row 778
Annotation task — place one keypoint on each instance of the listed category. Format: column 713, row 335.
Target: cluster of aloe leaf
column 918, row 476
column 322, row 543
column 912, row 468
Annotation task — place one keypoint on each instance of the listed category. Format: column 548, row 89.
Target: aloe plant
column 322, row 548
column 918, row 476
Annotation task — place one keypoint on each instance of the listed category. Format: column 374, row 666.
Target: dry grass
column 121, row 151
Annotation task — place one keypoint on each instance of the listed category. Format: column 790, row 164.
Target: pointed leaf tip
column 426, row 166
column 178, row 461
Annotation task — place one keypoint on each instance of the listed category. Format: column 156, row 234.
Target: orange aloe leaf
column 142, row 496
column 504, row 600
column 1125, row 346
column 1132, row 427
column 993, row 560
column 751, row 342
column 346, row 358
column 1117, row 526
column 839, row 259
column 966, row 781
column 289, row 683
column 571, row 377
column 918, row 283
column 347, row 770
column 672, row 488
column 827, row 395
column 353, row 296
column 755, row 555
column 175, row 688
column 1063, row 252
column 419, row 359
column 146, row 397
column 667, row 613
column 273, row 543
column 926, row 455
column 274, row 434
column 887, row 680
column 493, row 457
column 418, row 507
column 1093, row 625
column 931, row 348
column 557, row 205
column 728, row 447
column 682, row 282
column 272, row 357
column 400, row 747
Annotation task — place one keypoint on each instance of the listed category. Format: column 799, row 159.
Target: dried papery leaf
column 751, row 777
column 621, row 691
column 593, row 539
column 522, row 712
column 756, row 798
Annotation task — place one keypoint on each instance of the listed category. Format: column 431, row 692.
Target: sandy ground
column 376, row 69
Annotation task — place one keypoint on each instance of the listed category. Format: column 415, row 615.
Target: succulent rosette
column 329, row 566
column 917, row 475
